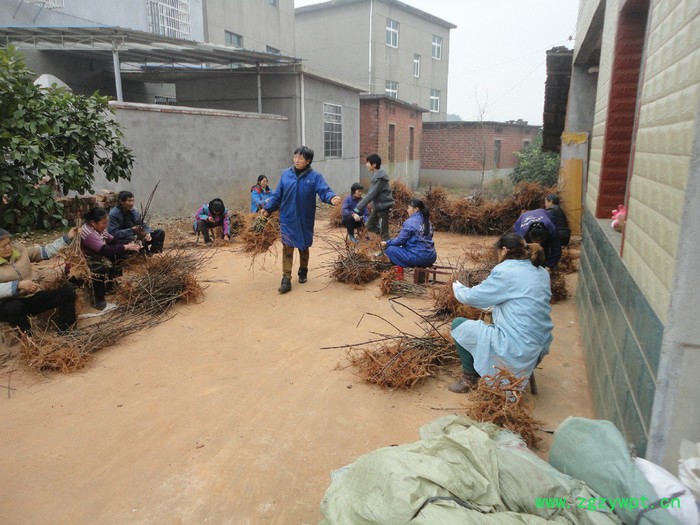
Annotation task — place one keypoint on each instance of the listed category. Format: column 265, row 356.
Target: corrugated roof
column 138, row 47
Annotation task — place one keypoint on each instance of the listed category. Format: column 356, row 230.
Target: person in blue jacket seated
column 126, row 226
column 518, row 289
column 210, row 216
column 259, row 194
column 414, row 245
column 352, row 220
column 295, row 197
column 535, row 226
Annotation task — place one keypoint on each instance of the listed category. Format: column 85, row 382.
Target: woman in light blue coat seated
column 518, row 289
column 414, row 246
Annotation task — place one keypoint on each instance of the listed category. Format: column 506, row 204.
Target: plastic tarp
column 459, row 472
column 594, row 451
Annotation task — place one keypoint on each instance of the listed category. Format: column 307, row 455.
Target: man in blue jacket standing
column 295, row 197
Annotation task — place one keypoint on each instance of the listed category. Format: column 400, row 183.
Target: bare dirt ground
column 231, row 412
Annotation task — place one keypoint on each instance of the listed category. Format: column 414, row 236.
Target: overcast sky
column 497, row 52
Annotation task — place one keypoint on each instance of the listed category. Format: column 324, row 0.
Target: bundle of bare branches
column 569, row 261
column 500, row 399
column 402, row 195
column 558, row 284
column 446, row 305
column 335, row 214
column 260, row 233
column 357, row 268
column 388, row 285
column 144, row 295
column 401, row 361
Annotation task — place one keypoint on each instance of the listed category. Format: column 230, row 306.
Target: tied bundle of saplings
column 354, row 265
column 260, row 233
column 389, row 285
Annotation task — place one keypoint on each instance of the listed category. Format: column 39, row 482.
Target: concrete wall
column 281, row 95
column 198, row 154
column 348, row 27
column 463, row 179
column 259, row 23
column 130, row 14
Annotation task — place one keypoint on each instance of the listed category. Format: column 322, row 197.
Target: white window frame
column 230, row 37
column 332, row 130
column 437, row 47
column 416, row 66
column 391, row 88
column 170, row 18
column 435, row 101
column 392, row 33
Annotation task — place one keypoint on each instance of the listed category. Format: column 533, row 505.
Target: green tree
column 49, row 139
column 535, row 165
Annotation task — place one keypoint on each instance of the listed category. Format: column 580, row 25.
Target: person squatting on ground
column 295, row 197
column 414, row 245
column 558, row 217
column 351, row 220
column 20, row 296
column 536, row 227
column 379, row 194
column 125, row 225
column 103, row 252
column 259, row 194
column 210, row 216
column 518, row 289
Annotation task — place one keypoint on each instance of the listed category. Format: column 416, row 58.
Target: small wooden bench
column 429, row 274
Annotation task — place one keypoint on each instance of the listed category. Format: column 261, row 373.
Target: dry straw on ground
column 389, row 285
column 500, row 399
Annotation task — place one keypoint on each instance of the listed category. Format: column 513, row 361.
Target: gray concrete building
column 385, row 45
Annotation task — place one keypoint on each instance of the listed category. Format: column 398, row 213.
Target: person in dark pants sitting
column 125, row 225
column 20, row 296
column 351, row 220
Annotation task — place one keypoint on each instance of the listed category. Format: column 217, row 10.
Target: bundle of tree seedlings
column 260, row 233
column 389, row 285
column 335, row 214
column 354, row 267
column 402, row 195
column 558, row 284
column 144, row 295
column 500, row 399
column 401, row 361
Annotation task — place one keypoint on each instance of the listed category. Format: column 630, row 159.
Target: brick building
column 460, row 154
column 392, row 129
column 633, row 137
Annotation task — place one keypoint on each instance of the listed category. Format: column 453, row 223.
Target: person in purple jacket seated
column 414, row 246
column 351, row 220
column 103, row 252
column 210, row 216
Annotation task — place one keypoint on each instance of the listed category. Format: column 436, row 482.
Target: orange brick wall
column 375, row 117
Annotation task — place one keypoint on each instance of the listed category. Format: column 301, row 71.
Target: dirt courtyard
column 230, row 412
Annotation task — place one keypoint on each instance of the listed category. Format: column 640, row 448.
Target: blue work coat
column 258, row 196
column 413, row 246
column 296, row 199
column 522, row 325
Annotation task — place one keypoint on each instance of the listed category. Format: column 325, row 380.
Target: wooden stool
column 429, row 274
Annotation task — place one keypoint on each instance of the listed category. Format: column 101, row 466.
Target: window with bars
column 437, row 47
column 434, row 101
column 166, row 101
column 233, row 39
column 391, row 88
column 332, row 130
column 392, row 33
column 416, row 66
column 170, row 18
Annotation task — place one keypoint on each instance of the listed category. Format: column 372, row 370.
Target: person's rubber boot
column 286, row 285
column 303, row 274
column 353, row 239
column 466, row 383
column 99, row 304
column 398, row 272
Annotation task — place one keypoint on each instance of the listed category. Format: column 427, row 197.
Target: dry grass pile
column 260, row 233
column 499, row 399
column 402, row 195
column 569, row 261
column 388, row 285
column 144, row 295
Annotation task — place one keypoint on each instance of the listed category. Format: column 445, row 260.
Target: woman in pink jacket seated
column 103, row 252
